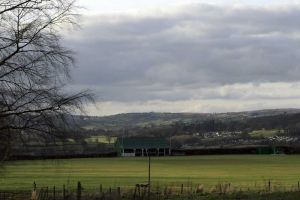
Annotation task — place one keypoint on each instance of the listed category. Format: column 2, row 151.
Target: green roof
column 142, row 142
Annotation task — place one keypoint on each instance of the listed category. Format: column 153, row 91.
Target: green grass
column 265, row 133
column 241, row 170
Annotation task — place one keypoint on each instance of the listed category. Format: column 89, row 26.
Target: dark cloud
column 178, row 56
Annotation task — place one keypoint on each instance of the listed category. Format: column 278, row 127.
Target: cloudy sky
column 188, row 55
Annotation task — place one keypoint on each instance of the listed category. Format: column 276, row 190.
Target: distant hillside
column 93, row 135
column 153, row 119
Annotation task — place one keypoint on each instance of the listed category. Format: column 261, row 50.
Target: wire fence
column 268, row 190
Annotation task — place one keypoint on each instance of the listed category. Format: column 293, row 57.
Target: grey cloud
column 173, row 56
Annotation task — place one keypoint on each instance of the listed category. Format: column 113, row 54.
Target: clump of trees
column 34, row 68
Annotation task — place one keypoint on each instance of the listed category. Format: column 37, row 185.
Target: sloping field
column 244, row 171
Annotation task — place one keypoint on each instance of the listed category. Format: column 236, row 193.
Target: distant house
column 143, row 146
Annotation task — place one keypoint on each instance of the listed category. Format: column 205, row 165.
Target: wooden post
column 269, row 185
column 165, row 191
column 157, row 192
column 134, row 194
column 181, row 191
column 34, row 186
column 119, row 192
column 139, row 189
column 64, row 192
column 101, row 188
column 79, row 188
column 54, row 193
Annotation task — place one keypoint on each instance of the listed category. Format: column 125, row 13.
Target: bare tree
column 34, row 68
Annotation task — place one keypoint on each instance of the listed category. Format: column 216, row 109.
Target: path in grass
column 242, row 170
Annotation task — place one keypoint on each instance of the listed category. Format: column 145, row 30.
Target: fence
column 142, row 192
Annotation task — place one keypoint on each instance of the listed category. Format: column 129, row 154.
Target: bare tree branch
column 34, row 68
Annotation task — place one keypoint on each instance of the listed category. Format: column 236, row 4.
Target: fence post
column 34, row 186
column 134, row 194
column 119, row 192
column 47, row 192
column 157, row 192
column 269, row 185
column 181, row 191
column 79, row 188
column 101, row 188
column 54, row 193
column 34, row 192
column 165, row 191
column 139, row 191
column 64, row 192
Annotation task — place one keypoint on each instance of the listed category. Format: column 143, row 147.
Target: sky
column 187, row 55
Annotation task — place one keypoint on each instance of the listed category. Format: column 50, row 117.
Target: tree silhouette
column 34, row 68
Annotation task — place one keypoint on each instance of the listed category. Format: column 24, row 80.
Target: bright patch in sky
column 111, row 6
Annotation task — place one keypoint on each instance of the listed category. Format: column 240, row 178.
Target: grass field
column 265, row 133
column 242, row 170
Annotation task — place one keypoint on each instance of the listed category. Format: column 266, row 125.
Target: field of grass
column 240, row 170
column 265, row 133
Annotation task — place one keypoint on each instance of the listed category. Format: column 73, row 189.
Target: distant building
column 143, row 146
column 269, row 150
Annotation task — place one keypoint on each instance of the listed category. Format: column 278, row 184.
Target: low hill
column 153, row 119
